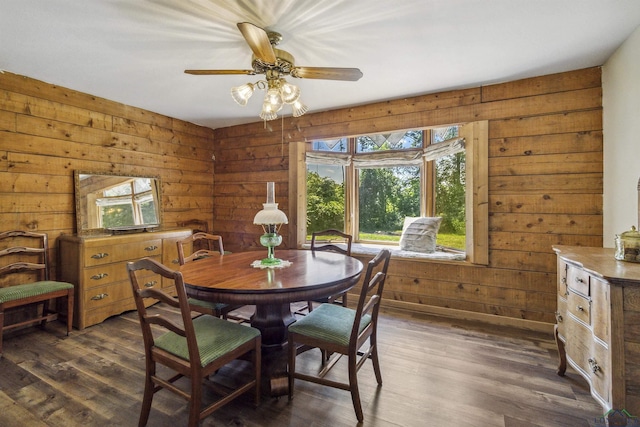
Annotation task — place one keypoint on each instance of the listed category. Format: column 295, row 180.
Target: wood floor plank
column 436, row 372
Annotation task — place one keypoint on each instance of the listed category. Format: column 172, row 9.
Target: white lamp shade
column 270, row 215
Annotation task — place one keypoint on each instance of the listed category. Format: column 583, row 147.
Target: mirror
column 117, row 203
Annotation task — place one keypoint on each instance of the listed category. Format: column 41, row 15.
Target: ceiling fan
column 275, row 64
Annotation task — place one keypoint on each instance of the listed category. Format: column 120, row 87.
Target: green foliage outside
column 387, row 196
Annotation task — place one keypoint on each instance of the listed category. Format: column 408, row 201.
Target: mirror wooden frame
column 81, row 197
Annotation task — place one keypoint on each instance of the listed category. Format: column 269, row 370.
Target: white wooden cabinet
column 597, row 329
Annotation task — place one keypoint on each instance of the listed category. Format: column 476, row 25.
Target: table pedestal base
column 272, row 320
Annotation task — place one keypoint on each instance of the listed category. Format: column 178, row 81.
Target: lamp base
column 271, row 261
column 270, row 241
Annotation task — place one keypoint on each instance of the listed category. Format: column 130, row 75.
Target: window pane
column 334, row 145
column 443, row 133
column 389, row 141
column 117, row 215
column 119, row 190
column 386, row 197
column 325, row 198
column 450, row 200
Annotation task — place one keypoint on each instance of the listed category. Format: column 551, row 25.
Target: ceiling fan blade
column 258, row 41
column 206, row 72
column 327, row 73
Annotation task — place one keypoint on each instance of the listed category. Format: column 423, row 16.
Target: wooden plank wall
column 47, row 132
column 545, row 185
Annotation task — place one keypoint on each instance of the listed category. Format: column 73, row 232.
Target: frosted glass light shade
column 299, row 108
column 270, row 215
column 242, row 93
column 290, row 93
column 267, row 112
column 274, row 98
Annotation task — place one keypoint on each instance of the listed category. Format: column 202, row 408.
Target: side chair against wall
column 24, row 279
column 193, row 348
column 336, row 329
column 207, row 242
column 316, row 245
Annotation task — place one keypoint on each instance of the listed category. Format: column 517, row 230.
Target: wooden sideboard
column 598, row 324
column 96, row 265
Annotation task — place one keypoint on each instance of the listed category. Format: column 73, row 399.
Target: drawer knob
column 151, row 248
column 558, row 317
column 594, row 365
column 100, row 255
column 580, row 280
column 99, row 297
column 150, row 284
column 99, row 276
column 580, row 308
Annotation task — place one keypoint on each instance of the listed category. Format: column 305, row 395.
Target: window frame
column 476, row 202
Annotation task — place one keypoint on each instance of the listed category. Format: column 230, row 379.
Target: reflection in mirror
column 116, row 202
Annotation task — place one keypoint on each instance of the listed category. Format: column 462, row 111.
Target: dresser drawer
column 579, row 306
column 561, row 317
column 578, row 280
column 601, row 309
column 103, row 274
column 106, row 295
column 562, row 278
column 600, row 371
column 107, row 254
column 578, row 345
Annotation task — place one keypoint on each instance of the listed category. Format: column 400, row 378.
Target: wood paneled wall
column 545, row 186
column 47, row 132
column 545, row 175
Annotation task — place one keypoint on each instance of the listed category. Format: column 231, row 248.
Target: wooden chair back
column 197, row 226
column 318, row 245
column 221, row 343
column 24, row 257
column 204, row 240
column 370, row 297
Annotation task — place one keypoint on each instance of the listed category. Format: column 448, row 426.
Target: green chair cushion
column 27, row 290
column 329, row 322
column 216, row 337
column 215, row 306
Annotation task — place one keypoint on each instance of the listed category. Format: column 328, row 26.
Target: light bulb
column 274, row 98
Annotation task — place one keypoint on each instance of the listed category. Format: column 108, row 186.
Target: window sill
column 373, row 249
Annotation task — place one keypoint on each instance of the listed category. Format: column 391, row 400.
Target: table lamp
column 271, row 219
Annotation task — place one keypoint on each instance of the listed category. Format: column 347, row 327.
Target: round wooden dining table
column 232, row 279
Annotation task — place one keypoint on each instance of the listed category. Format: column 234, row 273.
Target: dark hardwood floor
column 436, row 372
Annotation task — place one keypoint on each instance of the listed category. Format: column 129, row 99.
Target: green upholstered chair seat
column 329, row 322
column 215, row 337
column 28, row 290
column 215, row 306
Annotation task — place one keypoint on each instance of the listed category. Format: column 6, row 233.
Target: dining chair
column 336, row 329
column 207, row 242
column 197, row 226
column 332, row 246
column 193, row 348
column 24, row 280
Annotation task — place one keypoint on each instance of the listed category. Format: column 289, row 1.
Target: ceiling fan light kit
column 274, row 64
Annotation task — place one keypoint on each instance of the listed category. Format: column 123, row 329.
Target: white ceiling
column 135, row 51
